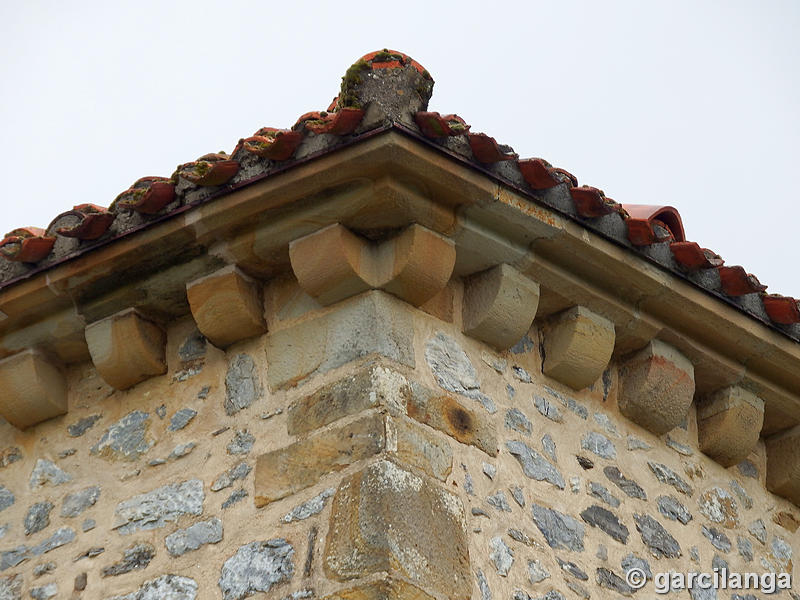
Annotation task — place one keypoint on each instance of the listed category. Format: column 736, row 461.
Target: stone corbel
column 33, row 389
column 729, row 424
column 657, row 387
column 126, row 348
column 783, row 464
column 333, row 264
column 577, row 347
column 226, row 306
column 499, row 306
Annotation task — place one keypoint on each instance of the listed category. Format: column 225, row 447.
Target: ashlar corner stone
column 385, row 519
column 578, row 344
column 657, row 387
column 127, row 348
column 226, row 306
column 499, row 305
column 34, row 389
column 729, row 424
column 783, row 464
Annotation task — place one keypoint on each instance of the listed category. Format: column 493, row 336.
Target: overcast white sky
column 695, row 104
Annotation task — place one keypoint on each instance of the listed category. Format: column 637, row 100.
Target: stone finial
column 729, row 424
column 33, row 389
column 577, row 347
column 499, row 305
column 657, row 387
column 226, row 306
column 333, row 264
column 126, row 348
column 783, row 464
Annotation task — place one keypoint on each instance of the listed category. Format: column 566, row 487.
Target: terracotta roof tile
column 371, row 83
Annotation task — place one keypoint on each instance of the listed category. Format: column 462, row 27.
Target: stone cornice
column 376, row 188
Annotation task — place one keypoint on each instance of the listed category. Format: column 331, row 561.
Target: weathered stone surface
column 551, row 595
column 286, row 471
column 718, row 539
column 235, row 497
column 448, row 415
column 577, row 347
column 549, row 447
column 34, row 389
column 499, row 501
column 547, row 409
column 744, row 498
column 758, row 531
column 669, row 477
column 745, row 548
column 126, row 439
column 781, row 552
column 386, row 519
column 75, row 504
column 534, row 465
column 606, row 521
column 226, row 479
column 560, row 531
column 483, row 585
column 499, row 305
column 126, row 348
column 783, row 464
column 660, row 543
column 227, row 307
column 242, row 384
column 629, row 486
column 38, row 517
column 454, row 371
column 729, row 424
column 45, row 472
column 9, row 456
column 631, row 561
column 521, row 374
column 609, row 580
column 13, row 557
column 537, row 572
column 133, row 559
column 518, row 495
column 634, row 443
column 501, row 555
column 419, row 447
column 81, row 426
column 599, row 445
column 181, row 450
column 61, row 537
column 601, row 492
column 748, row 469
column 156, row 508
column 489, row 470
column 585, row 463
column 672, row 509
column 369, row 324
column 194, row 536
column 181, row 419
column 570, row 568
column 256, row 567
column 241, row 443
column 166, row 587
column 656, row 387
column 43, row 592
column 718, row 506
column 369, row 387
column 517, row 421
column 11, row 587
column 309, row 507
column 782, row 518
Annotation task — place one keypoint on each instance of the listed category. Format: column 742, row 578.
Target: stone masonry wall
column 366, row 450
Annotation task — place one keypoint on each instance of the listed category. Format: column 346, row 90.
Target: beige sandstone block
column 783, row 464
column 32, row 389
column 656, row 387
column 577, row 347
column 385, row 519
column 373, row 323
column 226, row 306
column 126, row 348
column 499, row 306
column 333, row 264
column 729, row 424
column 381, row 588
column 286, row 471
